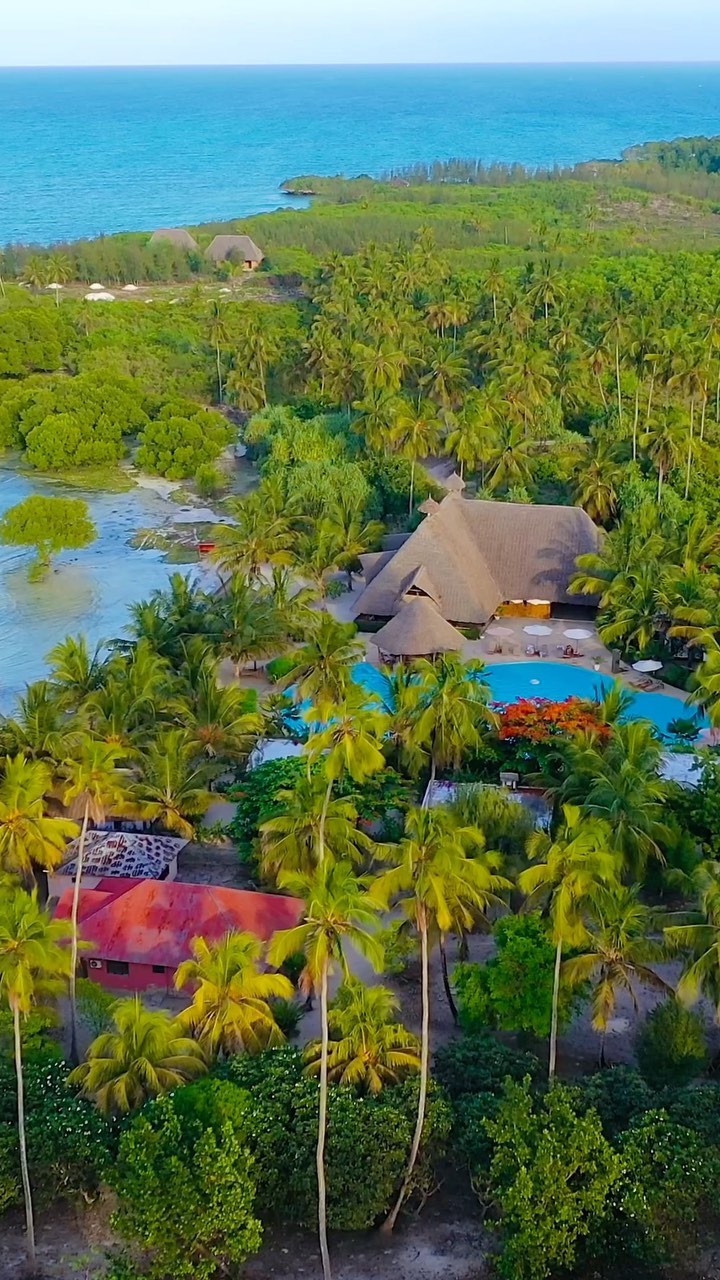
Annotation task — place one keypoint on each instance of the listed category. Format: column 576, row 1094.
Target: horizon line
column 282, row 66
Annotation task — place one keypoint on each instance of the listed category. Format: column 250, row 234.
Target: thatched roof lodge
column 235, row 249
column 418, row 631
column 177, row 236
column 470, row 558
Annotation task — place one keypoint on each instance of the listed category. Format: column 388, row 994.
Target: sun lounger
column 531, row 651
column 543, row 651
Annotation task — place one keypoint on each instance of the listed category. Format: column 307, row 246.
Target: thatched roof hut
column 470, row 557
column 235, row 249
column 454, row 483
column 176, row 236
column 418, row 631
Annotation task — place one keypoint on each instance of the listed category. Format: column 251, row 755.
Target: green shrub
column 186, row 1194
column 288, row 1015
column 478, row 1064
column 209, row 480
column 551, row 1176
column 513, row 990
column 697, row 1107
column 367, row 1148
column 619, row 1096
column 277, row 668
column 255, row 799
column 671, row 1048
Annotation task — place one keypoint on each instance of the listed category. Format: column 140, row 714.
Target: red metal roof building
column 139, row 931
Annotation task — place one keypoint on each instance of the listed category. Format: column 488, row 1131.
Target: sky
column 240, row 32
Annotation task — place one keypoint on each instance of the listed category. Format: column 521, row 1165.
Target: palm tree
column 252, row 626
column 75, row 672
column 705, row 693
column 368, row 1047
column 454, row 705
column 41, row 730
column 338, row 909
column 93, row 787
column 34, row 964
column 616, row 954
column 350, row 743
column 351, row 533
column 219, row 718
column 230, row 1011
column 28, row 836
column 145, row 1055
column 700, row 940
column 511, row 462
column 173, row 788
column 416, row 432
column 259, row 536
column 59, row 271
column 219, row 337
column 441, row 889
column 664, row 442
column 619, row 782
column 322, row 671
column 568, row 872
column 291, row 840
column 318, row 555
column 600, row 475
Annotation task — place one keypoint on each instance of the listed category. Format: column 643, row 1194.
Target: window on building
column 118, row 966
column 158, row 968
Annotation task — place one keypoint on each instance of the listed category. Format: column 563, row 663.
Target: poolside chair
column 543, row 651
column 531, row 651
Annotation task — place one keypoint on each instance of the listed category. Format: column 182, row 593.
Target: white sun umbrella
column 577, row 633
column 100, row 297
column 537, row 629
column 54, row 285
column 647, row 664
column 497, row 630
column 97, row 285
column 130, row 288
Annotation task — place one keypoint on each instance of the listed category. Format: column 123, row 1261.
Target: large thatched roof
column 418, row 631
column 471, row 556
column 177, row 236
column 236, row 248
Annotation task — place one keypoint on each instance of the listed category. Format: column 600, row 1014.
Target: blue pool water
column 555, row 681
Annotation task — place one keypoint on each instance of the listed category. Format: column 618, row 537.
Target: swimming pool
column 556, row 681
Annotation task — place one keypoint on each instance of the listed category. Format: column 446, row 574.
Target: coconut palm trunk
column 412, row 486
column 617, row 383
column 219, row 372
column 322, row 1126
column 323, row 822
column 74, row 1056
column 27, row 1193
column 446, row 981
column 688, row 467
column 391, row 1219
column 554, row 1016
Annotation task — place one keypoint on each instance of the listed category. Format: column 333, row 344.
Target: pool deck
column 512, row 648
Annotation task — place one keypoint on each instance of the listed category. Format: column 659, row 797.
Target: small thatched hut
column 418, row 631
column 235, row 249
column 176, row 236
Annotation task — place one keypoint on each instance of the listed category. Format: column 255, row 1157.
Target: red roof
column 154, row 921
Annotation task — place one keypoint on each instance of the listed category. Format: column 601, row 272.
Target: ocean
column 84, row 152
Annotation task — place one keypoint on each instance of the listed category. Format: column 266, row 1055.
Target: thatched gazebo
column 418, row 631
column 227, row 248
column 176, row 236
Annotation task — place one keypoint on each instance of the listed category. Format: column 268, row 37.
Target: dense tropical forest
column 557, row 337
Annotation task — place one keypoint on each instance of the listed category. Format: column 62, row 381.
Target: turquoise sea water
column 90, row 151
column 555, row 681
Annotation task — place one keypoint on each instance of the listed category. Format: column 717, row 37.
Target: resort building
column 177, row 236
column 139, row 931
column 119, row 855
column 235, row 249
column 470, row 560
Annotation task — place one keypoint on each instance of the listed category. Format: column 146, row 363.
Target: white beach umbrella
column 224, row 290
column 54, row 285
column 96, row 285
column 647, row 664
column 130, row 288
column 497, row 630
column 537, row 629
column 577, row 633
column 100, row 297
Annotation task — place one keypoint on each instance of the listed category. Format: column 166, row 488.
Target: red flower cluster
column 540, row 720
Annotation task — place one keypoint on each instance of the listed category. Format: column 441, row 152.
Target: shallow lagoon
column 86, row 591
